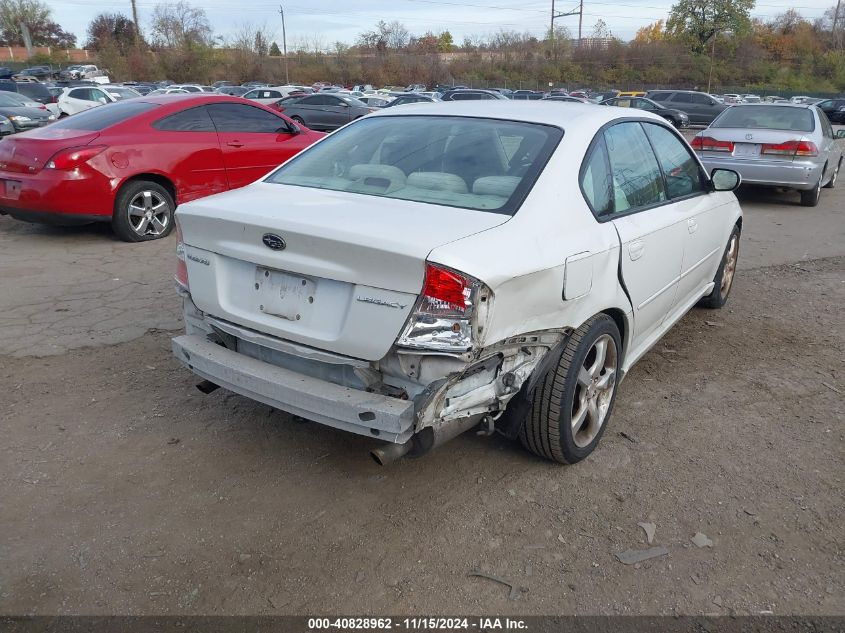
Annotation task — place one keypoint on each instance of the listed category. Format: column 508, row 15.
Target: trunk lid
column 29, row 152
column 749, row 148
column 347, row 276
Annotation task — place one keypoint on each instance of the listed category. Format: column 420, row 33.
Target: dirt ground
column 124, row 490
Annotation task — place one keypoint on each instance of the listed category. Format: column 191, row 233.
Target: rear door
column 253, row 140
column 683, row 102
column 652, row 235
column 191, row 134
column 79, row 100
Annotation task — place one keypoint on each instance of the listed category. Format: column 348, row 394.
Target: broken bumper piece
column 353, row 410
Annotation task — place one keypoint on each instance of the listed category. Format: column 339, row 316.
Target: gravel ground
column 125, row 490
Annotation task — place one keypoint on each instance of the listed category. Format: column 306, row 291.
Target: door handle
column 692, row 225
column 636, row 249
column 235, row 144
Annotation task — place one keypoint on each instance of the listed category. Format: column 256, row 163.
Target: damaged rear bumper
column 353, row 410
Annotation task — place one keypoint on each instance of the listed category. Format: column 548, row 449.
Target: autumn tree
column 36, row 16
column 650, row 33
column 697, row 21
column 111, row 29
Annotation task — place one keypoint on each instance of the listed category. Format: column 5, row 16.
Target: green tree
column 445, row 42
column 36, row 16
column 274, row 50
column 697, row 21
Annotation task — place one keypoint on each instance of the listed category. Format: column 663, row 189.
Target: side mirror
column 840, row 134
column 102, row 100
column 294, row 129
column 724, row 180
column 343, row 104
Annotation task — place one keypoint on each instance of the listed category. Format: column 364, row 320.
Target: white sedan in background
column 81, row 98
column 270, row 95
column 438, row 267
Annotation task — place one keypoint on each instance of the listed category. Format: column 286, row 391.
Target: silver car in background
column 778, row 145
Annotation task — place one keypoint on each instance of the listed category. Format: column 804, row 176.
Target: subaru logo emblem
column 273, row 241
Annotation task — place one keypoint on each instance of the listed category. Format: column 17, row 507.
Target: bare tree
column 180, row 25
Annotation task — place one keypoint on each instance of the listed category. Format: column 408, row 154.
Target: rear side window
column 659, row 96
column 190, row 120
column 236, row 117
column 97, row 119
column 596, row 182
column 766, row 117
column 682, row 97
column 680, row 169
column 637, row 181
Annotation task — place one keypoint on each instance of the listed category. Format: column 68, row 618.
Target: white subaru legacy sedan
column 440, row 267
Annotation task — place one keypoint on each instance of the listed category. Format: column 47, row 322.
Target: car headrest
column 437, row 181
column 503, row 186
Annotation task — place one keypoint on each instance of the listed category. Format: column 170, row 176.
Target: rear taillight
column 442, row 316
column 710, row 144
column 73, row 157
column 790, row 148
column 181, row 275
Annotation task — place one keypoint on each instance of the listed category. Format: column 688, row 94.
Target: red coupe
column 131, row 162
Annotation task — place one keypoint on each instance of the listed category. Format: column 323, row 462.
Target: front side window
column 637, row 181
column 680, row 169
column 702, row 99
column 237, row 117
column 479, row 164
column 682, row 97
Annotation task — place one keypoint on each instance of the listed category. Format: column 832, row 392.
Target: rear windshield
column 481, row 164
column 33, row 89
column 766, row 117
column 101, row 117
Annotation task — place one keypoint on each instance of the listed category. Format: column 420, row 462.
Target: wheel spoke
column 141, row 229
column 607, row 381
column 579, row 418
column 148, row 200
column 584, row 377
column 156, row 207
column 158, row 226
column 601, row 357
column 136, row 210
column 593, row 409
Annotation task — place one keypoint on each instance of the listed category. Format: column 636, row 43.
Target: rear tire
column 725, row 275
column 832, row 182
column 572, row 403
column 143, row 211
column 810, row 198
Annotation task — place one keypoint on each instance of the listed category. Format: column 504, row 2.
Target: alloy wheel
column 149, row 213
column 729, row 268
column 594, row 391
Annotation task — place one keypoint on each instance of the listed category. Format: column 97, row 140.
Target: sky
column 343, row 20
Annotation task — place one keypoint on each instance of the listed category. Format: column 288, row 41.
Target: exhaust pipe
column 388, row 453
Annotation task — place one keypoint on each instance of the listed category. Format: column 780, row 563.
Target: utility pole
column 284, row 44
column 562, row 14
column 712, row 57
column 135, row 20
column 580, row 20
column 835, row 20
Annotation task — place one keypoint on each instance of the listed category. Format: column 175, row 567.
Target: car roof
column 778, row 104
column 561, row 114
column 195, row 98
